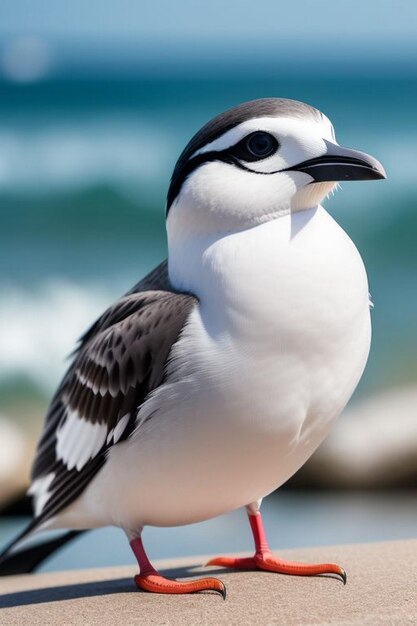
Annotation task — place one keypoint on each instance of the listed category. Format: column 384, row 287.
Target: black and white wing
column 119, row 361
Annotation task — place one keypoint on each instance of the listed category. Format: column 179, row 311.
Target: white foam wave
column 38, row 329
column 73, row 155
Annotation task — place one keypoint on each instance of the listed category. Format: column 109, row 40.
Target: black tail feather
column 27, row 560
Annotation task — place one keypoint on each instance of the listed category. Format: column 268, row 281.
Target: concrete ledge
column 381, row 589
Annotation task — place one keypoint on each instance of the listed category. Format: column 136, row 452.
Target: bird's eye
column 256, row 146
column 261, row 144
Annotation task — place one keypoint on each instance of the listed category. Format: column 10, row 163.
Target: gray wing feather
column 118, row 362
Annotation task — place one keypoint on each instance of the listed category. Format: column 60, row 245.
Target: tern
column 211, row 382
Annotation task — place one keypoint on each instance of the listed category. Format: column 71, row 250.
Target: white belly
column 267, row 362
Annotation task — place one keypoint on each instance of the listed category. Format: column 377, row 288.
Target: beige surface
column 381, row 589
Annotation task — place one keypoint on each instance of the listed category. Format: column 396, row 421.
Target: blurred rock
column 15, row 460
column 374, row 444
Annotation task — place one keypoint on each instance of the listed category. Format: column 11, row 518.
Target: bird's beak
column 341, row 164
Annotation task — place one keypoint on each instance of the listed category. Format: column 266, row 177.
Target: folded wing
column 119, row 361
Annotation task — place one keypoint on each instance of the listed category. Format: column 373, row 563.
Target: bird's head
column 258, row 161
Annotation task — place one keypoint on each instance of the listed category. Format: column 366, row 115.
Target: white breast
column 267, row 361
column 283, row 306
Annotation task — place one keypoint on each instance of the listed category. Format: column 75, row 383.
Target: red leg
column 263, row 559
column 150, row 580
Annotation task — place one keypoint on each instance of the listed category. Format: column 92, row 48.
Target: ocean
column 84, row 169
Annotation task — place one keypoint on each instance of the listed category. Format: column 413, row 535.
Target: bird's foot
column 154, row 582
column 151, row 580
column 268, row 562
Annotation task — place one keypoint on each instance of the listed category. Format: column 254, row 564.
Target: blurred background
column 97, row 99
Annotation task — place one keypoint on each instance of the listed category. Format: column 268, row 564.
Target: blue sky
column 339, row 20
column 114, row 31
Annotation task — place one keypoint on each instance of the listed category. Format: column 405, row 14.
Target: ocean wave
column 38, row 329
column 71, row 155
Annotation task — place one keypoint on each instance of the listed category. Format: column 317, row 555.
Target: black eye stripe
column 179, row 177
column 233, row 155
column 195, row 162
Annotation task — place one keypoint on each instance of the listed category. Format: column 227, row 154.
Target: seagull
column 215, row 378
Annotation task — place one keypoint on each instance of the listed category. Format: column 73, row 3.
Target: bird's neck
column 219, row 263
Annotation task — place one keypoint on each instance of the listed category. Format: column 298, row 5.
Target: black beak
column 341, row 164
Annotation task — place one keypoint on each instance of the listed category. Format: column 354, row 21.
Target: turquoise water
column 84, row 168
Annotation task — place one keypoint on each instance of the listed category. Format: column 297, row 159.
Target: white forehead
column 280, row 127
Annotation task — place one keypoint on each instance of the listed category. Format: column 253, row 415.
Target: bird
column 213, row 380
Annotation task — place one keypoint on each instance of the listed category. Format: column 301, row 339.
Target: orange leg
column 150, row 580
column 263, row 559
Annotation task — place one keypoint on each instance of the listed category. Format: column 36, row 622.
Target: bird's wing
column 119, row 361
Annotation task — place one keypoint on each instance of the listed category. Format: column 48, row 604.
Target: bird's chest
column 285, row 333
column 268, row 358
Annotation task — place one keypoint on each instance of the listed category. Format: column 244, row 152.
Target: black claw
column 223, row 591
column 344, row 576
